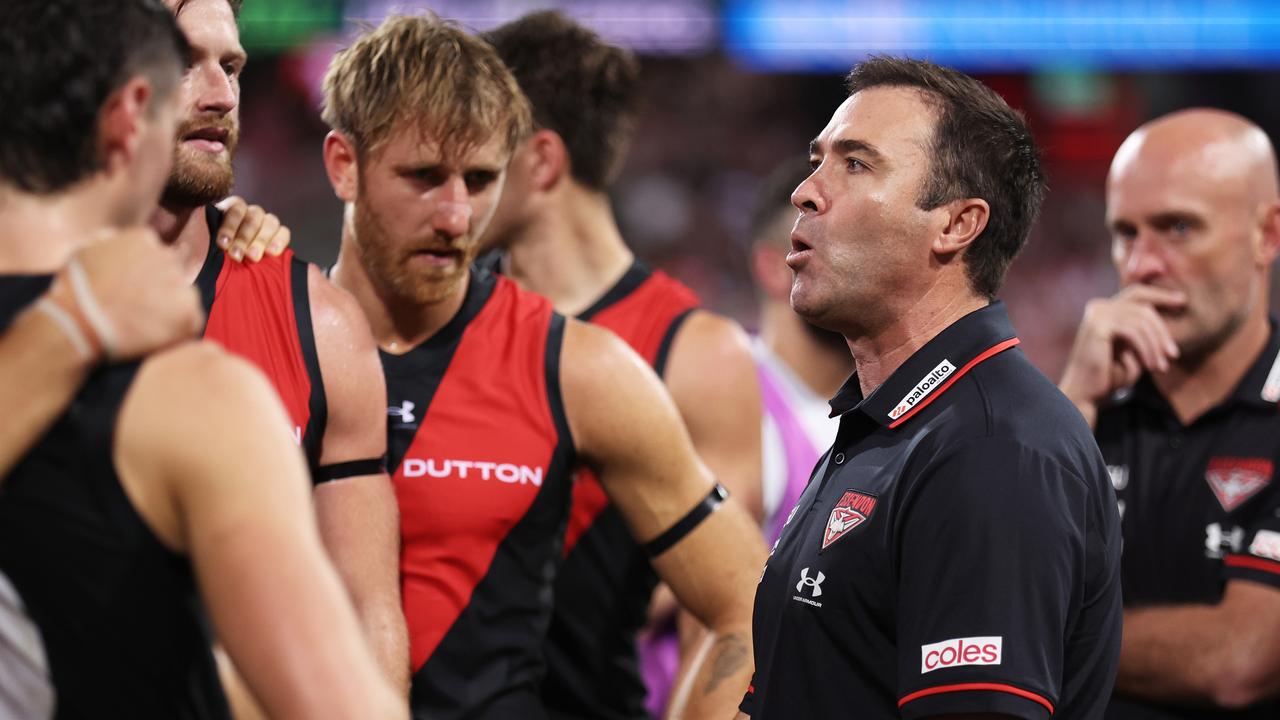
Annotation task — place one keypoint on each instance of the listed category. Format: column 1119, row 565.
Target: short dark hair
column 581, row 87
column 774, row 198
column 981, row 148
column 62, row 59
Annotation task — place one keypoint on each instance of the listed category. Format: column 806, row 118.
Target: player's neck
column 573, row 254
column 184, row 229
column 821, row 367
column 880, row 351
column 42, row 231
column 1194, row 389
column 398, row 324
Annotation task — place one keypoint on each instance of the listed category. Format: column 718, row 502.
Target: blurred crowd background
column 733, row 87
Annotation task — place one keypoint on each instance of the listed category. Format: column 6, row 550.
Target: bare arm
column 654, row 478
column 237, row 502
column 139, row 287
column 40, row 372
column 712, row 379
column 1225, row 655
column 359, row 517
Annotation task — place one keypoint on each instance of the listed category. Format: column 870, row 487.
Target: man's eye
column 855, row 165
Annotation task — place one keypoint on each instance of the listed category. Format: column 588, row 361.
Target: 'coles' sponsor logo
column 927, row 384
column 960, row 651
column 472, row 470
column 853, row 509
column 1266, row 544
column 1235, row 480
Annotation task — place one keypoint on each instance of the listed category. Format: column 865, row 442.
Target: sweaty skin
column 1194, row 214
column 653, row 477
column 357, row 516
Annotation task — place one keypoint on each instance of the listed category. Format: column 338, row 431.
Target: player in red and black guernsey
column 115, row 523
column 496, row 399
column 1180, row 374
column 557, row 236
column 307, row 335
column 957, row 550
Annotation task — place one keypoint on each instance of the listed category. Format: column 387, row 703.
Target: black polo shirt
column 957, row 550
column 1198, row 503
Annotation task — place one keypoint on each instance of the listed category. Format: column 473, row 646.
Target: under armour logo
column 815, row 583
column 404, row 412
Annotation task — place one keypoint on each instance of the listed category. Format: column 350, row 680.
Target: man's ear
column 342, row 165
column 547, row 159
column 122, row 119
column 1268, row 244
column 966, row 219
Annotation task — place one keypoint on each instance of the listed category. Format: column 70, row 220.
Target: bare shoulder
column 198, row 389
column 594, row 354
column 706, row 342
column 335, row 314
column 195, row 417
column 202, row 374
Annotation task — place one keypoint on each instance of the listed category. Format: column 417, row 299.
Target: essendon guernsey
column 603, row 590
column 262, row 312
column 481, row 454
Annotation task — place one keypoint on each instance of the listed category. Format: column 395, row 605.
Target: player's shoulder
column 712, row 336
column 334, row 311
column 199, row 370
column 596, row 356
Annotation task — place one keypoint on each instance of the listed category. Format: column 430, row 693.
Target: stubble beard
column 390, row 271
column 198, row 178
column 194, row 182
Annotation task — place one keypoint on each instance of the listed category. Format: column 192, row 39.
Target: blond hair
column 429, row 72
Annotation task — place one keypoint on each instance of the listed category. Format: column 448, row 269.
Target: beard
column 199, row 178
column 393, row 272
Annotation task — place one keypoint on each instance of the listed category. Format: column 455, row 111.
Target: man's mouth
column 437, row 256
column 799, row 250
column 207, row 139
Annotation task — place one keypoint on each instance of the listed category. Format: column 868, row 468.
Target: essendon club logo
column 853, row 509
column 1235, row 480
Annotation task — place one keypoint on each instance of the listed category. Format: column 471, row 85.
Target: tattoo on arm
column 728, row 656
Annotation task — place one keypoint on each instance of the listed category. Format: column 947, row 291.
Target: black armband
column 354, row 468
column 686, row 524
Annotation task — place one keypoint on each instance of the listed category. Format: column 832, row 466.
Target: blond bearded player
column 495, row 398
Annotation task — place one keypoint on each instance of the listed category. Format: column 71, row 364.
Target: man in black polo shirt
column 1181, row 371
column 957, row 550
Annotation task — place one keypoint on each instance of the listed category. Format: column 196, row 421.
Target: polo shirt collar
column 931, row 370
column 1260, row 387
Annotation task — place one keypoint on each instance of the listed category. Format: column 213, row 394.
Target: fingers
column 250, row 231
column 1140, row 329
column 234, row 210
column 1159, row 297
column 1127, row 369
column 250, row 226
column 265, row 237
column 281, row 241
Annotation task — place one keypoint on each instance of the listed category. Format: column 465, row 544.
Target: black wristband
column 354, row 468
column 686, row 524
